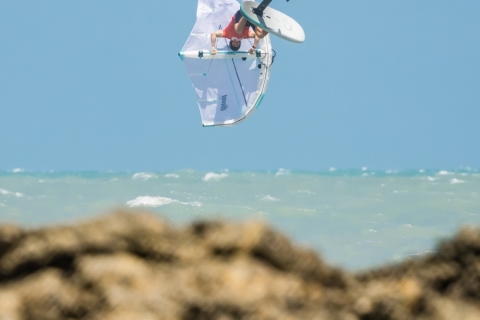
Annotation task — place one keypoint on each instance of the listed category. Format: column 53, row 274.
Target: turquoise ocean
column 355, row 219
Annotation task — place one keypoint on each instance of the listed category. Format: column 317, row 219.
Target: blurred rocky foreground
column 133, row 265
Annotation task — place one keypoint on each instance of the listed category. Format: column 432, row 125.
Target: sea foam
column 443, row 173
column 214, row 176
column 269, row 198
column 143, row 176
column 282, row 172
column 152, row 202
column 10, row 193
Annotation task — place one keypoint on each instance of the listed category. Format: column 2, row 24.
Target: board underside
column 274, row 22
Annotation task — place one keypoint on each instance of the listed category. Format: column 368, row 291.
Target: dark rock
column 134, row 266
column 9, row 235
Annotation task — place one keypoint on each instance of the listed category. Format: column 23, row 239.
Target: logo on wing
column 224, row 104
column 223, row 5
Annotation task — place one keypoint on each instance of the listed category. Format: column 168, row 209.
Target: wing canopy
column 230, row 85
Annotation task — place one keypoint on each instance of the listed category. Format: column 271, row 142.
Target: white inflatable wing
column 230, row 85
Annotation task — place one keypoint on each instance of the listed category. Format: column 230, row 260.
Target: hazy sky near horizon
column 97, row 85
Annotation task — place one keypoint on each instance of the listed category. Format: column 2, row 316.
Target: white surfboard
column 274, row 22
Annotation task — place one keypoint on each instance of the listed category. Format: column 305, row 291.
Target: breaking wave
column 152, row 202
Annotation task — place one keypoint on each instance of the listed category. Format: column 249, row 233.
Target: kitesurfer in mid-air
column 238, row 29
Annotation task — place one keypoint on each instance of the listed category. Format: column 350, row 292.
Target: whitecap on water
column 305, row 191
column 306, row 210
column 172, row 175
column 148, row 201
column 282, row 172
column 10, row 193
column 443, row 173
column 214, row 176
column 143, row 176
column 18, row 170
column 456, row 181
column 269, row 198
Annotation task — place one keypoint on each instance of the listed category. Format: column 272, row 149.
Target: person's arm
column 213, row 38
column 258, row 34
column 255, row 42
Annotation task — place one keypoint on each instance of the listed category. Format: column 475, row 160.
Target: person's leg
column 240, row 25
column 240, row 22
column 248, row 23
column 260, row 32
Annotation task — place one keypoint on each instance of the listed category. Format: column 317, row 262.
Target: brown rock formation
column 135, row 266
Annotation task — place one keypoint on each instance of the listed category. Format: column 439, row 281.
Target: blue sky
column 97, row 85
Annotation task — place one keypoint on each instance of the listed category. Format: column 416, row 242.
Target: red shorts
column 230, row 33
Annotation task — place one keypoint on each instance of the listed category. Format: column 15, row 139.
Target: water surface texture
column 354, row 218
